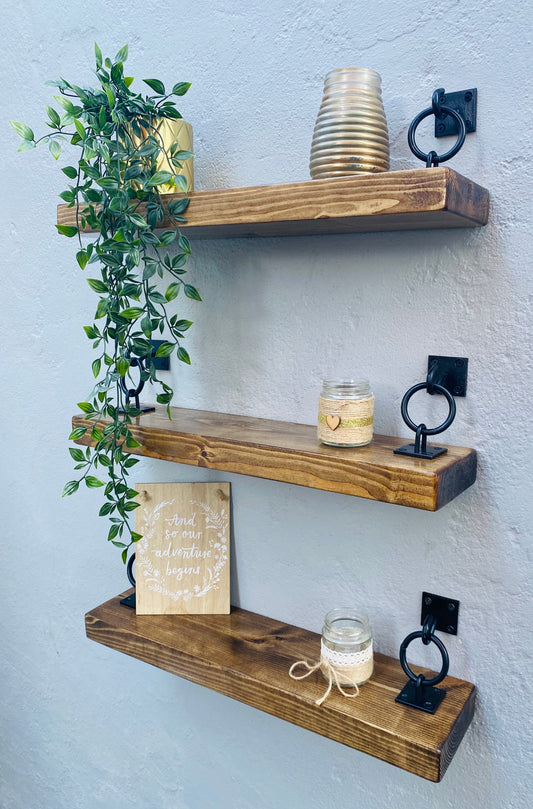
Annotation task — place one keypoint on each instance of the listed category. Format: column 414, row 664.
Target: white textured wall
column 89, row 728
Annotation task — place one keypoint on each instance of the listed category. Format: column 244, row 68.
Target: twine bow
column 332, row 674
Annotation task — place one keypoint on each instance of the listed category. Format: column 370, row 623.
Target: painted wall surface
column 86, row 727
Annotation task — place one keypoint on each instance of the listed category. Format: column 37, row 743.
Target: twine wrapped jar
column 346, row 647
column 345, row 413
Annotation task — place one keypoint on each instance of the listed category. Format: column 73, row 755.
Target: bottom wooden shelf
column 247, row 657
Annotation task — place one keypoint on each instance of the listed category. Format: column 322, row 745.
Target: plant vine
column 116, row 192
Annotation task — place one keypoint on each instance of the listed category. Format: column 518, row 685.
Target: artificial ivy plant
column 115, row 188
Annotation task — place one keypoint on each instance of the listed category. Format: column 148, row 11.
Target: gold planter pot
column 170, row 132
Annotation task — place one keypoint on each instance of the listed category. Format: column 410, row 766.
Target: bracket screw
column 451, row 606
column 468, row 97
column 440, row 128
column 427, row 601
column 450, row 629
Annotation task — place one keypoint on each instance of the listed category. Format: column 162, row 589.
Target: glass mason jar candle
column 345, row 413
column 346, row 645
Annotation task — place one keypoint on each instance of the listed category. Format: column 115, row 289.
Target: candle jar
column 346, row 646
column 345, row 413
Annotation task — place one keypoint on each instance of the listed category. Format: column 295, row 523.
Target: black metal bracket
column 133, row 393
column 130, row 600
column 449, row 372
column 447, row 376
column 463, row 102
column 450, row 118
column 444, row 610
column 418, row 692
column 160, row 363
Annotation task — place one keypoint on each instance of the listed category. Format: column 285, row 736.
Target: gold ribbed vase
column 351, row 134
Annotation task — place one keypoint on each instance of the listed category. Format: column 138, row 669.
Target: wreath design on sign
column 215, row 521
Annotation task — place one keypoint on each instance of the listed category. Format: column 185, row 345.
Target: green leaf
column 54, row 116
column 165, row 350
column 97, row 364
column 23, row 130
column 97, row 285
column 167, row 237
column 132, row 312
column 25, row 145
column 55, row 149
column 122, row 55
column 184, row 244
column 93, row 483
column 110, row 95
column 183, row 355
column 183, row 154
column 122, row 365
column 77, row 432
column 181, row 88
column 156, row 85
column 183, row 325
column 131, row 443
column 68, row 196
column 67, row 230
column 80, row 129
column 98, row 55
column 86, row 407
column 128, row 81
column 133, row 171
column 113, row 531
column 181, row 182
column 177, row 206
column 70, row 171
column 91, row 332
column 159, row 178
column 146, row 326
column 131, row 506
column 96, row 434
column 131, row 462
column 108, row 183
column 70, row 487
column 172, row 291
column 76, row 454
column 82, row 258
column 149, row 270
column 192, row 292
column 106, row 509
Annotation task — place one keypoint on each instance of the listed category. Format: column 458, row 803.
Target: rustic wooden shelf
column 247, row 657
column 400, row 200
column 291, row 453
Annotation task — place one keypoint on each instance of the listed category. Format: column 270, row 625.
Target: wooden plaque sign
column 182, row 561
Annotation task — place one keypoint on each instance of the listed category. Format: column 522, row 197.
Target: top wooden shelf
column 401, row 200
column 291, row 453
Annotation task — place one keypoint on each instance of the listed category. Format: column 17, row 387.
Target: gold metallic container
column 351, row 134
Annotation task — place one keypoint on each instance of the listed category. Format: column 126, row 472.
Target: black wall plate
column 450, row 372
column 444, row 610
column 465, row 103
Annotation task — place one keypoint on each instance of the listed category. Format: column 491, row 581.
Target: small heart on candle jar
column 333, row 422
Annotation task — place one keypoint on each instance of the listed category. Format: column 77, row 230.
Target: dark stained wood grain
column 400, row 200
column 248, row 656
column 291, row 453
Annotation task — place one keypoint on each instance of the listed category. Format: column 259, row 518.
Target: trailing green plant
column 115, row 190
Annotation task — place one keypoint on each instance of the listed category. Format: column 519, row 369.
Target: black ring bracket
column 129, row 601
column 133, row 393
column 447, row 376
column 419, row 692
column 455, row 113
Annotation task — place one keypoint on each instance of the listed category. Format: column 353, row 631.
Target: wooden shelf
column 401, row 200
column 291, row 453
column 247, row 657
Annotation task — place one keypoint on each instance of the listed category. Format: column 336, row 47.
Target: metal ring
column 136, row 362
column 415, row 677
column 432, row 156
column 129, row 570
column 423, row 429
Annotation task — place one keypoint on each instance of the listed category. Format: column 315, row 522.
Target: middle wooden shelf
column 291, row 453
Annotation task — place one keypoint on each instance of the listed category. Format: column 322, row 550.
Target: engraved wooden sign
column 182, row 561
